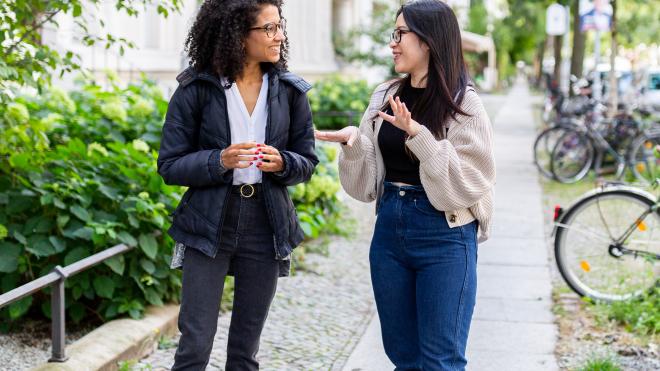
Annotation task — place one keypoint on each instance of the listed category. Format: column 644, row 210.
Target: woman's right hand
column 346, row 135
column 239, row 155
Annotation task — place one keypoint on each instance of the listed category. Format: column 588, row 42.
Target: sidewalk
column 513, row 326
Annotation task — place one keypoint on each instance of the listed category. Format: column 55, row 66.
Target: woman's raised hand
column 346, row 135
column 402, row 118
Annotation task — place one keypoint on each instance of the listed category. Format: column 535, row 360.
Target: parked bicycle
column 607, row 244
column 625, row 141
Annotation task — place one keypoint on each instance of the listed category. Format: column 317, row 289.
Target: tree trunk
column 557, row 45
column 577, row 54
column 614, row 91
column 540, row 54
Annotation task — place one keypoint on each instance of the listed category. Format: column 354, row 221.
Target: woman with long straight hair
column 423, row 152
column 238, row 131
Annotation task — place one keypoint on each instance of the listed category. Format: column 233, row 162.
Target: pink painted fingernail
column 256, row 152
column 261, row 156
column 254, row 158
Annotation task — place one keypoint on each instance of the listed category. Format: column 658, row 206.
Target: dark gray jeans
column 247, row 249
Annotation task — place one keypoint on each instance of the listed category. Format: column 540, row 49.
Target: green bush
column 338, row 94
column 77, row 176
column 75, row 180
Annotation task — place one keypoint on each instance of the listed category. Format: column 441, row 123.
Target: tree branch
column 12, row 47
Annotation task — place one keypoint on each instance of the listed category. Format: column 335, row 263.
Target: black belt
column 247, row 190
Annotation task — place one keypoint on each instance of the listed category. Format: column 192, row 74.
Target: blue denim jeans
column 424, row 278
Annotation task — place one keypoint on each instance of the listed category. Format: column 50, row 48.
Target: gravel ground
column 317, row 316
column 30, row 345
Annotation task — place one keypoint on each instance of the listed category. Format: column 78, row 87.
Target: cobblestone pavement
column 316, row 317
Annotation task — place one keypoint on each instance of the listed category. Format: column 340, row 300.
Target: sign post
column 596, row 15
column 557, row 19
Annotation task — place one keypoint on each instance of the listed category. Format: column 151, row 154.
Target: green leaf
column 148, row 266
column 20, row 307
column 85, row 233
column 111, row 311
column 132, row 220
column 40, row 246
column 81, row 213
column 62, row 220
column 20, row 161
column 74, row 255
column 18, row 204
column 307, row 228
column 109, row 192
column 76, row 311
column 117, row 264
column 159, row 220
column 38, row 224
column 20, row 238
column 46, row 199
column 152, row 297
column 58, row 243
column 149, row 245
column 104, row 286
column 76, row 292
column 9, row 253
column 59, row 204
column 127, row 239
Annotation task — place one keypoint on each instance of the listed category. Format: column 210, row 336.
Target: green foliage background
column 78, row 175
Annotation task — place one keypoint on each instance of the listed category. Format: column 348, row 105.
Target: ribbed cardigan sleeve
column 357, row 163
column 459, row 171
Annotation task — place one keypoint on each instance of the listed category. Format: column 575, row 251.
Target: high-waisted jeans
column 424, row 279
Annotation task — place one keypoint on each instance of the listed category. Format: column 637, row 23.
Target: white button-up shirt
column 246, row 128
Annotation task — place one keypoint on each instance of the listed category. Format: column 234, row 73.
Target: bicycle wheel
column 641, row 158
column 589, row 255
column 571, row 157
column 543, row 146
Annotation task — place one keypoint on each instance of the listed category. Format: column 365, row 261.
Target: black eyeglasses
column 397, row 33
column 271, row 28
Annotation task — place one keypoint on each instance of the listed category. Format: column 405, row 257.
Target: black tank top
column 399, row 165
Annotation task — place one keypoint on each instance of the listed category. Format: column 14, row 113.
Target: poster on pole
column 595, row 15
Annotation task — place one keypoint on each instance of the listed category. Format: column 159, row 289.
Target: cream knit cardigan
column 457, row 173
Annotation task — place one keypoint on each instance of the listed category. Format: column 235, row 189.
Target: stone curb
column 118, row 340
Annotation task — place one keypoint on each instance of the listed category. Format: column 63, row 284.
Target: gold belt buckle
column 251, row 189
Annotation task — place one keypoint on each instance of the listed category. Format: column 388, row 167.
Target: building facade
column 159, row 41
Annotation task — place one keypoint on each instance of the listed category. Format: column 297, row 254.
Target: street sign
column 556, row 21
column 595, row 15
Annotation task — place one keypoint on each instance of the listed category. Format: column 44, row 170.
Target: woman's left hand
column 402, row 118
column 270, row 160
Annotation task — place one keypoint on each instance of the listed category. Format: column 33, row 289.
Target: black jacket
column 197, row 128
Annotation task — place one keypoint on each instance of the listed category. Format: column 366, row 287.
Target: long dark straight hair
column 435, row 24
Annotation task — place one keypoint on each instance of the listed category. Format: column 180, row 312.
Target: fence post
column 58, row 318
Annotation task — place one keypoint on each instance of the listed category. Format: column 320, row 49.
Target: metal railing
column 56, row 278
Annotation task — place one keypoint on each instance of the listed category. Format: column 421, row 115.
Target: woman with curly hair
column 424, row 153
column 238, row 131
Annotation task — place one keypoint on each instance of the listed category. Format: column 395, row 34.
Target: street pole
column 565, row 70
column 597, row 84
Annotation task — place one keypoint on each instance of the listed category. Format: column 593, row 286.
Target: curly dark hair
column 215, row 42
